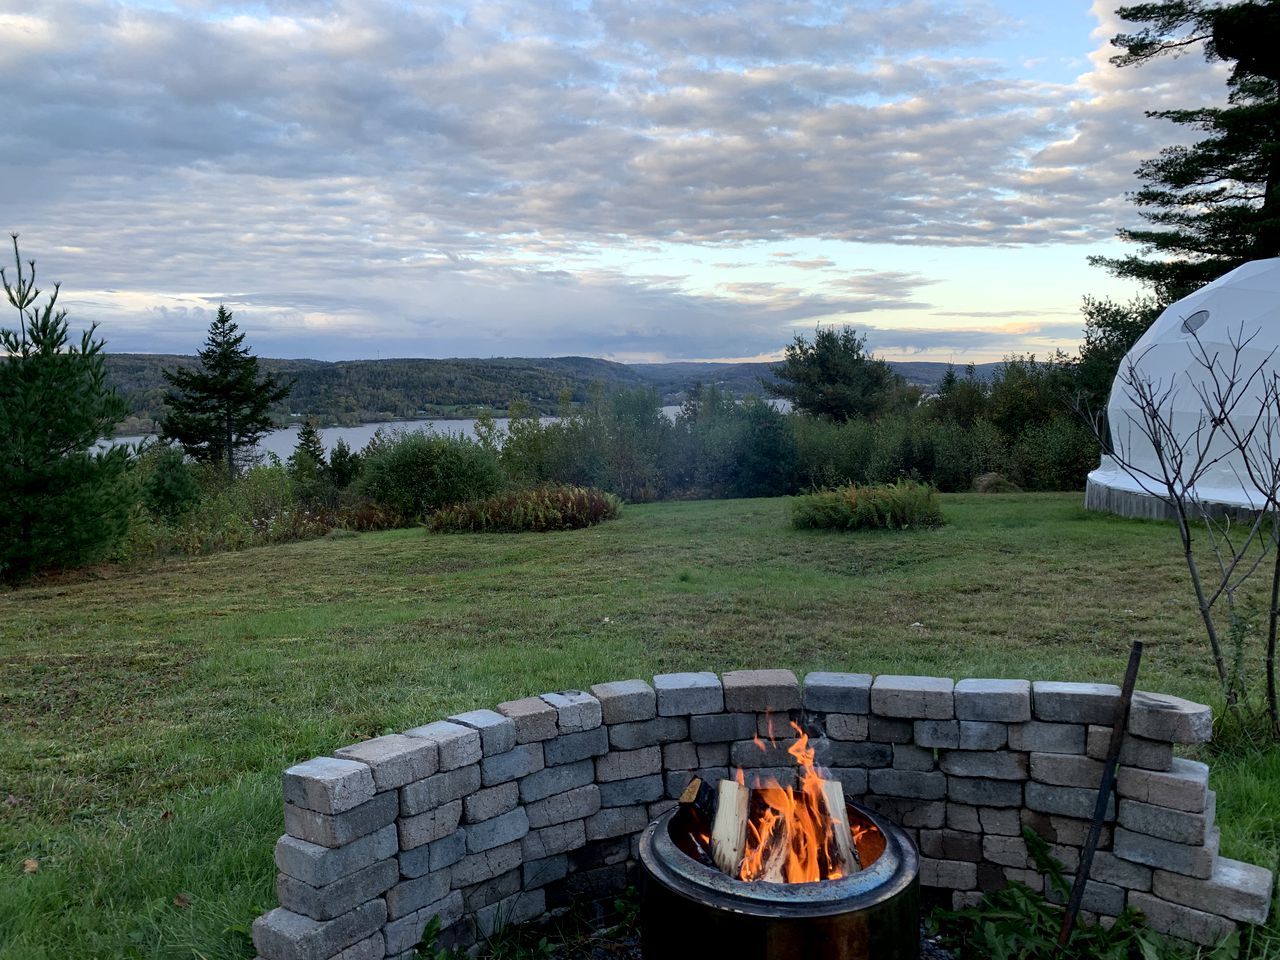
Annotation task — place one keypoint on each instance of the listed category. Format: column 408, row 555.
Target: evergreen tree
column 344, row 465
column 835, row 377
column 219, row 412
column 169, row 490
column 963, row 401
column 309, row 470
column 61, row 502
column 308, row 452
column 1216, row 204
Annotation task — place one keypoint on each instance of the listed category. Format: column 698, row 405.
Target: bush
column 1057, row 455
column 962, row 454
column 169, row 487
column 994, row 483
column 538, row 509
column 1017, row 923
column 618, row 442
column 891, row 506
column 344, row 465
column 362, row 515
column 413, row 474
column 726, row 448
column 831, row 454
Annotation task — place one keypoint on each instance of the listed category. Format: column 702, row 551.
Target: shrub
column 169, row 487
column 889, row 506
column 1017, row 923
column 344, row 465
column 265, row 505
column 618, row 442
column 413, row 474
column 538, row 509
column 726, row 448
column 994, row 483
column 831, row 454
column 899, row 448
column 362, row 515
column 1057, row 455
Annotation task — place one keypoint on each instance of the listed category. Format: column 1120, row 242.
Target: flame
column 792, row 836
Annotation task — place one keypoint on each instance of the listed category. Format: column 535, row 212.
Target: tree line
column 348, row 392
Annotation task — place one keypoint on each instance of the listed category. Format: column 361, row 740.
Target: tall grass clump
column 888, row 506
column 414, row 474
column 538, row 509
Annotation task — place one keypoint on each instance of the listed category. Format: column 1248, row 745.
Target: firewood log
column 729, row 831
column 845, row 854
column 777, row 848
column 700, row 796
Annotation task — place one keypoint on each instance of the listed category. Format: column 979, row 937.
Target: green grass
column 147, row 714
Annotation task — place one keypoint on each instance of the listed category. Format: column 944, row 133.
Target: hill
column 364, row 391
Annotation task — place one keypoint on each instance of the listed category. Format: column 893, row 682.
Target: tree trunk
column 1206, row 613
column 231, row 459
column 1273, row 621
column 1268, row 242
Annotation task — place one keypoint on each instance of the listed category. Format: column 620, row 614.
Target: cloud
column 1040, row 338
column 886, row 283
column 1001, row 314
column 446, row 176
column 495, row 310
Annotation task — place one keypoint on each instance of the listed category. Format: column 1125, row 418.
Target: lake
column 282, row 442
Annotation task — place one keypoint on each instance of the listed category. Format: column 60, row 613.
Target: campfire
column 777, row 864
column 755, row 828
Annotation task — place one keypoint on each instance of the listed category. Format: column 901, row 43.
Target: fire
column 792, row 836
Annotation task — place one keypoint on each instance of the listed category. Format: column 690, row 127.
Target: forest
column 366, row 391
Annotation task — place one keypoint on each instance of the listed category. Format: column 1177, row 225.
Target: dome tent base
column 1125, row 503
column 1129, row 503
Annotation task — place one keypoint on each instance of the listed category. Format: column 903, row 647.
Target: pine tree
column 309, row 469
column 219, row 412
column 1215, row 204
column 835, row 376
column 344, row 465
column 308, row 452
column 61, row 502
column 962, row 400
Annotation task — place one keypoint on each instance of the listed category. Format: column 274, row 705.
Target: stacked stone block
column 494, row 817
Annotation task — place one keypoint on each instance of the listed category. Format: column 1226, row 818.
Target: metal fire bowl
column 692, row 910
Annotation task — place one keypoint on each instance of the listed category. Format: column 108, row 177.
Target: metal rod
column 1118, row 730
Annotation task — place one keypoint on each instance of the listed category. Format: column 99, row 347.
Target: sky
column 639, row 181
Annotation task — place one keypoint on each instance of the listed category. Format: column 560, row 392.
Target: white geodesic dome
column 1242, row 304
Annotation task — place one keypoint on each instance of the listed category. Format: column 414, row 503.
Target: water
column 281, row 442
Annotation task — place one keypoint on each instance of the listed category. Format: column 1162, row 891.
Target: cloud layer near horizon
column 363, row 175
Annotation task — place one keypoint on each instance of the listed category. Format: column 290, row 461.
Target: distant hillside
column 927, row 373
column 362, row 391
column 675, row 380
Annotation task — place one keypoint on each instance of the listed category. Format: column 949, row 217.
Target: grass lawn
column 147, row 715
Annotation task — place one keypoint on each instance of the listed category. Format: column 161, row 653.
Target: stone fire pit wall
column 494, row 817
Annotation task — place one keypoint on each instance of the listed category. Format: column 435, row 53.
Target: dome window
column 1195, row 321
